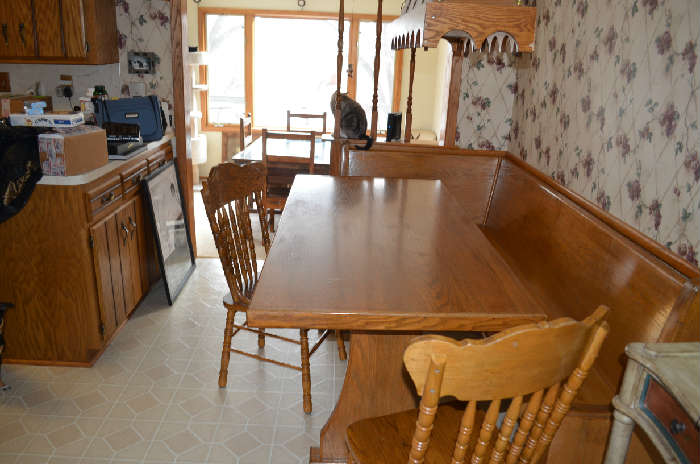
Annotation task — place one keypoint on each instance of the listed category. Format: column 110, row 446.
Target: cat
column 353, row 121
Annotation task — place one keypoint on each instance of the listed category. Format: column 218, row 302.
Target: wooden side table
column 661, row 393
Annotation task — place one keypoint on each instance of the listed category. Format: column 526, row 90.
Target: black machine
column 393, row 127
column 123, row 140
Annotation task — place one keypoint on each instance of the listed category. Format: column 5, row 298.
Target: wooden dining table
column 322, row 155
column 386, row 259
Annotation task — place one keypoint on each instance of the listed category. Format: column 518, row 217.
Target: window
column 226, row 76
column 366, row 45
column 294, row 68
column 266, row 63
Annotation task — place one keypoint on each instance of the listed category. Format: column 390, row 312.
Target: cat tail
column 369, row 140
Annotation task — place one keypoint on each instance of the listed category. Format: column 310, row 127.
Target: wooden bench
column 572, row 255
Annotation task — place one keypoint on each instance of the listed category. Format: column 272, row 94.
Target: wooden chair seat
column 367, row 438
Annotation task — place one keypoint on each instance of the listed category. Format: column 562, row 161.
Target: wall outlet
column 5, row 82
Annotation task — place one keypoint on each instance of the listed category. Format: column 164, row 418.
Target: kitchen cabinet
column 117, row 261
column 58, row 31
column 77, row 260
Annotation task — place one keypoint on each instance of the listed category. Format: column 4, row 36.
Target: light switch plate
column 5, row 82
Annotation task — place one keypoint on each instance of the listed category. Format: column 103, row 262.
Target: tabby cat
column 353, row 121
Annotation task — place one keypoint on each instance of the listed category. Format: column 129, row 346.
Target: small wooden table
column 253, row 152
column 660, row 393
column 387, row 259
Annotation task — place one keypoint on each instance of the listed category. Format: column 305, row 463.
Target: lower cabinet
column 76, row 261
column 118, row 257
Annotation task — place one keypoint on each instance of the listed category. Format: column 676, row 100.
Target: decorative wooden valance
column 503, row 24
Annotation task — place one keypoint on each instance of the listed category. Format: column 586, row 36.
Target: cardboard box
column 48, row 120
column 15, row 104
column 69, row 152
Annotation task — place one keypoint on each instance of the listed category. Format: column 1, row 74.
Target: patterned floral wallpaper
column 484, row 116
column 607, row 105
column 144, row 26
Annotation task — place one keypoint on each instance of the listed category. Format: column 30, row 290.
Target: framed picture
column 170, row 229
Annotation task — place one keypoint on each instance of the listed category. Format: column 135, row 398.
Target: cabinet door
column 73, row 16
column 108, row 270
column 129, row 252
column 16, row 29
column 48, row 25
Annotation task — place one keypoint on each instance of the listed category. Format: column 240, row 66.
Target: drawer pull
column 107, row 198
column 133, row 225
column 4, row 35
column 21, row 34
column 136, row 179
column 677, row 427
column 126, row 233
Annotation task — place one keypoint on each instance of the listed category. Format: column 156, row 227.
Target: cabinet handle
column 677, row 427
column 136, row 179
column 107, row 198
column 4, row 35
column 126, row 233
column 133, row 226
column 21, row 34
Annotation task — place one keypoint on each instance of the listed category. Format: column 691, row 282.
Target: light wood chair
column 291, row 115
column 282, row 169
column 245, row 131
column 244, row 136
column 226, row 195
column 533, row 370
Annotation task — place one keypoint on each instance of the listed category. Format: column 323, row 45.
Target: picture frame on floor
column 170, row 229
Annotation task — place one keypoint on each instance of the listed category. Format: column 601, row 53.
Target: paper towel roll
column 199, row 149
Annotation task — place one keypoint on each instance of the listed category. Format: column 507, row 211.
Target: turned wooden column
column 455, row 88
column 409, row 102
column 335, row 146
column 377, row 63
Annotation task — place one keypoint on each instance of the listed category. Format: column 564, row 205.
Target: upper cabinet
column 58, row 31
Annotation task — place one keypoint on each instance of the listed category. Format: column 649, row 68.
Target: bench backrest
column 574, row 257
column 467, row 174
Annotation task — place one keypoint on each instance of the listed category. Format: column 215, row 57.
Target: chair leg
column 272, row 220
column 305, row 370
column 341, row 345
column 226, row 351
column 261, row 338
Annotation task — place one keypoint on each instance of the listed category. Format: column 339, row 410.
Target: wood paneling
column 571, row 261
column 48, row 274
column 73, row 28
column 103, row 272
column 48, row 28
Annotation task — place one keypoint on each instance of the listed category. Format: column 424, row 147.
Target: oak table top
column 384, row 254
column 253, row 152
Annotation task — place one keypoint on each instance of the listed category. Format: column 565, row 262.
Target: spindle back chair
column 536, row 370
column 282, row 169
column 227, row 194
column 291, row 115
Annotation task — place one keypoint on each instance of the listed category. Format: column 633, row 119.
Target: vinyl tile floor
column 153, row 396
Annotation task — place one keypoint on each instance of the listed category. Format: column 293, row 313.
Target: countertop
column 88, row 177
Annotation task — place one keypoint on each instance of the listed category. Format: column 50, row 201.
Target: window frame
column 249, row 31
